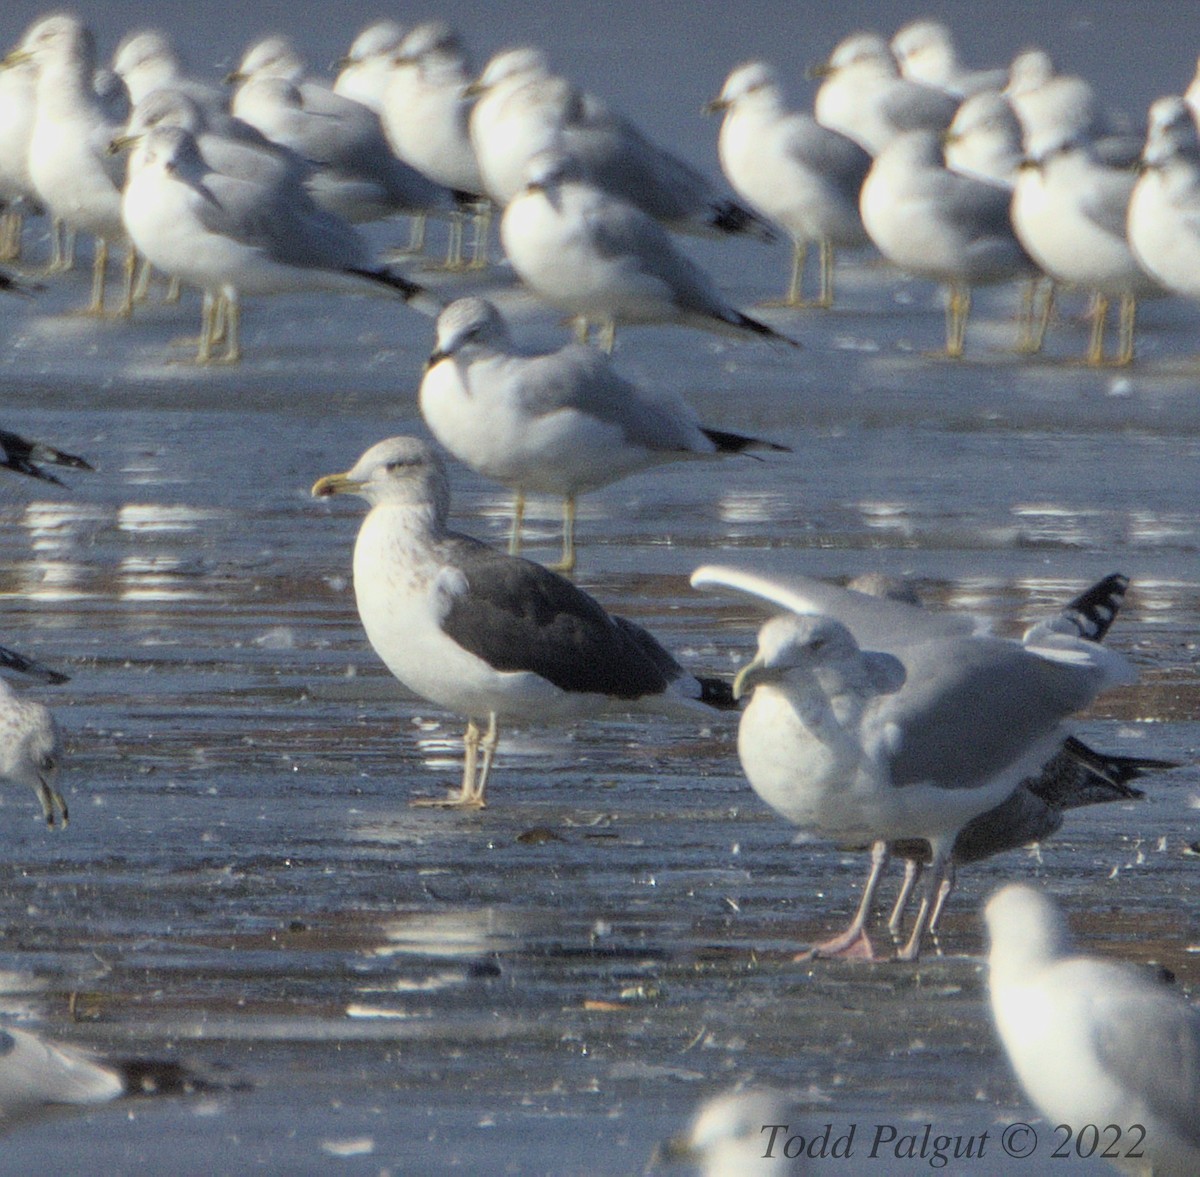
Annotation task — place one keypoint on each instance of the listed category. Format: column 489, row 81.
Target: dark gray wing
column 517, row 615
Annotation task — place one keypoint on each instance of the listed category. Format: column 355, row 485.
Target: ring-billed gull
column 425, row 113
column 366, row 69
column 925, row 53
column 602, row 259
column 872, row 720
column 796, row 172
column 561, row 423
column 356, row 174
column 147, row 60
column 31, row 751
column 863, row 96
column 984, row 140
column 522, row 109
column 18, row 89
column 1056, row 108
column 75, row 177
column 1164, row 210
column 1094, row 1041
column 232, row 236
column 930, row 221
column 490, row 636
column 1069, row 209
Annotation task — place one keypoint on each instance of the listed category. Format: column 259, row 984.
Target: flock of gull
column 865, row 717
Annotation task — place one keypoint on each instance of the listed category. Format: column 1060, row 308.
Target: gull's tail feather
column 737, row 319
column 11, row 660
column 717, row 692
column 1094, row 610
column 21, row 455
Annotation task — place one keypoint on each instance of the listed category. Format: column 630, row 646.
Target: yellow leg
column 1128, row 324
column 567, row 563
column 608, row 336
column 99, row 273
column 483, row 225
column 958, row 307
column 1095, row 352
column 825, row 298
column 514, row 538
column 129, row 270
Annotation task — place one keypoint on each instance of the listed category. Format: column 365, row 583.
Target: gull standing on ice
column 522, row 109
column 561, row 423
column 488, row 635
column 951, row 228
column 1094, row 1040
column 1069, row 209
column 18, row 196
column 863, row 96
column 75, row 177
column 1164, row 210
column 872, row 720
column 31, row 751
column 796, row 172
column 232, row 236
column 425, row 114
column 356, row 174
column 600, row 258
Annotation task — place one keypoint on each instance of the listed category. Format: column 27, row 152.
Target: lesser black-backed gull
column 490, row 636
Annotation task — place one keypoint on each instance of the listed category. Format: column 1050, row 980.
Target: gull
column 490, row 636
column 75, row 177
column 31, row 751
column 925, row 53
column 1069, row 210
column 600, row 258
column 872, row 720
column 863, row 96
column 18, row 88
column 741, row 1133
column 1094, row 1040
column 425, row 112
column 522, row 109
column 356, row 174
column 365, row 71
column 232, row 236
column 39, row 1076
column 561, row 423
column 1057, row 108
column 938, row 224
column 1164, row 210
column 984, row 140
column 1074, row 777
column 794, row 171
column 147, row 60
column 22, row 456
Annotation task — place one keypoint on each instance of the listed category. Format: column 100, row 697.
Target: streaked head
column 751, row 77
column 401, row 471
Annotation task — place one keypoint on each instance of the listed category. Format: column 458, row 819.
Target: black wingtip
column 1095, row 609
column 737, row 220
column 717, row 692
column 737, row 443
column 19, row 454
column 154, row 1077
column 760, row 328
column 412, row 292
column 11, row 660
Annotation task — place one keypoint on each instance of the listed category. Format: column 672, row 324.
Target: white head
column 925, row 52
column 524, row 64
column 165, row 108
column 1027, row 931
column 1030, row 70
column 468, row 321
column 146, row 50
column 60, row 38
column 272, row 57
column 731, row 1132
column 749, row 78
column 170, row 150
column 1170, row 132
column 434, row 38
column 793, row 648
column 377, row 40
column 863, row 51
column 401, row 471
